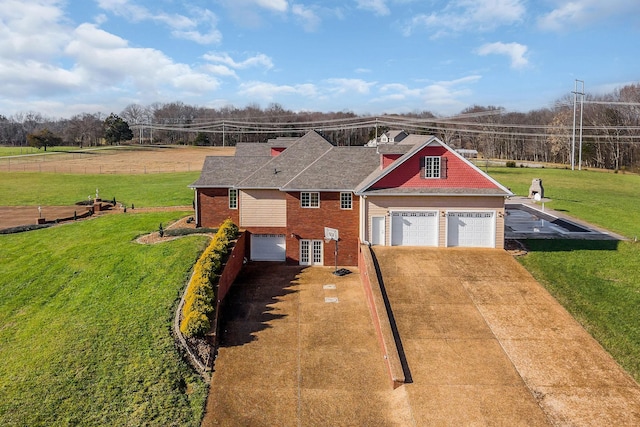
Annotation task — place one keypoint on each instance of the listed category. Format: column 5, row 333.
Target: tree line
column 608, row 138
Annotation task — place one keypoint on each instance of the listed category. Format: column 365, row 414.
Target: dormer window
column 434, row 167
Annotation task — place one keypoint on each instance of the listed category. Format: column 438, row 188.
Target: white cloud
column 269, row 91
column 201, row 28
column 515, row 51
column 379, row 7
column 220, row 70
column 437, row 96
column 469, row 15
column 277, row 5
column 30, row 30
column 105, row 59
column 583, row 12
column 308, row 17
column 254, row 61
column 341, row 86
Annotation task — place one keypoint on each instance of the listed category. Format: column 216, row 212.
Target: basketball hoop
column 327, row 239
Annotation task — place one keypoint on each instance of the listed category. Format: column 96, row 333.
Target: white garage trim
column 268, row 247
column 472, row 229
column 414, row 228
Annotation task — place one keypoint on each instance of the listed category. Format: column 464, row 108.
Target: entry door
column 378, row 230
column 311, row 252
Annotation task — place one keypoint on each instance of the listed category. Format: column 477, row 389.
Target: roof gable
column 283, row 168
column 405, row 173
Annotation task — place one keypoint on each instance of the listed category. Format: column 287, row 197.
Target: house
column 389, row 137
column 416, row 192
column 467, row 153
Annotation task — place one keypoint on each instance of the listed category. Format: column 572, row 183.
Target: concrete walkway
column 485, row 344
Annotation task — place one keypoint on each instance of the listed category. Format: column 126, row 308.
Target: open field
column 115, row 160
column 85, row 315
column 600, row 288
column 21, row 151
column 48, row 189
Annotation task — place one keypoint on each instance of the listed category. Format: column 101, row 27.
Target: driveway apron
column 485, row 344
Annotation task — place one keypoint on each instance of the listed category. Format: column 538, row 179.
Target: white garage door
column 268, row 247
column 471, row 229
column 414, row 228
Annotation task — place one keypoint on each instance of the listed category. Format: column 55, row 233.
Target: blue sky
column 63, row 57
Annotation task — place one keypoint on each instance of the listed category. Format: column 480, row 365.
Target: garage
column 268, row 247
column 417, row 228
column 471, row 229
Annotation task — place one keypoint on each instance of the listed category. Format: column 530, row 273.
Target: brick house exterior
column 285, row 192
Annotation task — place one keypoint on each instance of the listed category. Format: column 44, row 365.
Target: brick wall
column 214, row 207
column 309, row 223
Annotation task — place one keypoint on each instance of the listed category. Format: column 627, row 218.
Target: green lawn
column 19, row 151
column 33, row 188
column 599, row 286
column 85, row 318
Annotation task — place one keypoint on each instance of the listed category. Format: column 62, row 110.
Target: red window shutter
column 443, row 167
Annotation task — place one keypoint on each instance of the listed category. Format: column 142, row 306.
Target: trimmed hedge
column 200, row 299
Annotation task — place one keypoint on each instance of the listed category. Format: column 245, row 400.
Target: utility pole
column 573, row 139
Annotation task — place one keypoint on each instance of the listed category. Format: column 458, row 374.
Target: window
column 345, row 201
column 310, row 200
column 432, row 167
column 233, row 199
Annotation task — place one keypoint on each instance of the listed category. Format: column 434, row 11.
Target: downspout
column 363, row 218
column 196, row 207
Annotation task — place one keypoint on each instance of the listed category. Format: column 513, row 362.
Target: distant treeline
column 610, row 129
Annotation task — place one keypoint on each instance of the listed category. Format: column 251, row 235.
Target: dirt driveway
column 485, row 344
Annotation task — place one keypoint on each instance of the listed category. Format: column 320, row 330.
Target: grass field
column 21, row 151
column 603, row 198
column 85, row 318
column 600, row 288
column 32, row 188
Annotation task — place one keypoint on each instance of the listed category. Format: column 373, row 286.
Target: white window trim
column 427, row 171
column 350, row 195
column 234, row 191
column 309, row 193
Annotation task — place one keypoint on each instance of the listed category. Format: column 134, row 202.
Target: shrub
column 195, row 324
column 201, row 292
column 511, row 164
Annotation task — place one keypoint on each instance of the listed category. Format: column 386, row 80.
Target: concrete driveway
column 485, row 344
column 299, row 349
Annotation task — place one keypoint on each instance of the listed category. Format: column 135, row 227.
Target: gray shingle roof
column 227, row 171
column 340, row 168
column 283, row 168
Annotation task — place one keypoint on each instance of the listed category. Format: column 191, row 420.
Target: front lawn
column 85, row 315
column 598, row 286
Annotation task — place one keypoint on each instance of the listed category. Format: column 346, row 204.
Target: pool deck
column 521, row 225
